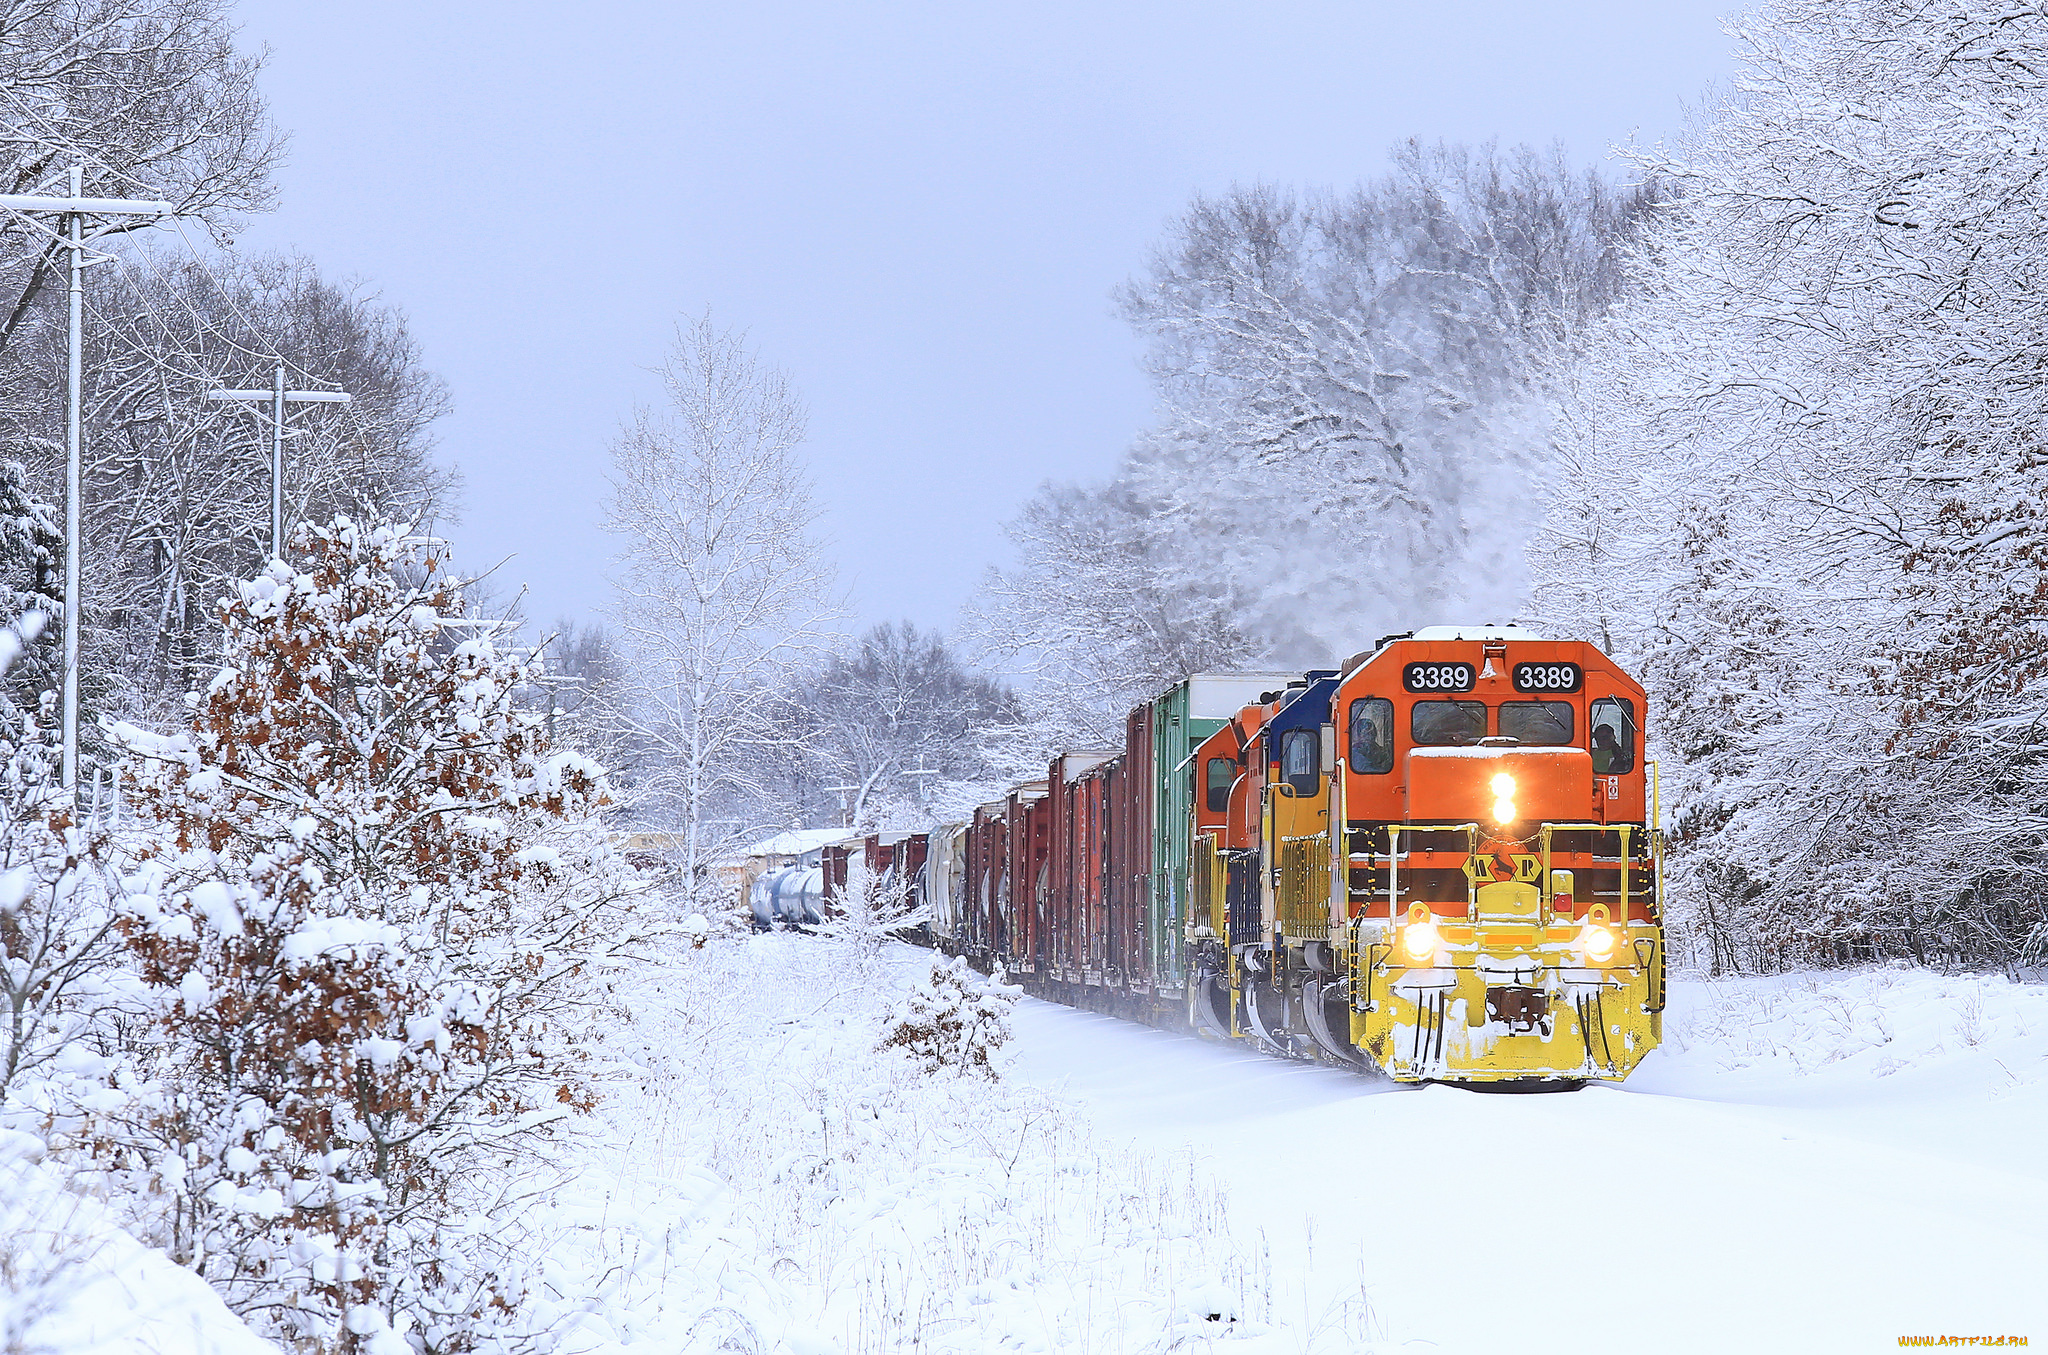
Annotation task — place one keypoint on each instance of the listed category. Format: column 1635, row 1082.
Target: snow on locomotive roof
column 1474, row 633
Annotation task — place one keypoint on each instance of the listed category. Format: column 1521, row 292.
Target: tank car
column 792, row 896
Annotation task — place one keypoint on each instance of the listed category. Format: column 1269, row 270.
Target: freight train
column 1440, row 861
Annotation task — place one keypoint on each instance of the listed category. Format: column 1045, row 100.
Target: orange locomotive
column 1439, row 861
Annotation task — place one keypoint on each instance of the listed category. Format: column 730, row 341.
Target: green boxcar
column 1187, row 713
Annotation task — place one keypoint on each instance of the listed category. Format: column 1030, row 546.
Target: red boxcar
column 1027, row 820
column 1074, row 877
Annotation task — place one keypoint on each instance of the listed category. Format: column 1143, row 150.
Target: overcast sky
column 916, row 209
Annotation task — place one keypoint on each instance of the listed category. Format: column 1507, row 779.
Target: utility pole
column 845, row 805
column 75, row 209
column 279, row 397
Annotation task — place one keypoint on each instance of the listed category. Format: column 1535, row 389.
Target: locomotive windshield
column 1436, row 724
column 1537, row 722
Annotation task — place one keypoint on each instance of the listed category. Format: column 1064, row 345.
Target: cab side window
column 1614, row 736
column 1372, row 736
column 1220, row 773
column 1300, row 758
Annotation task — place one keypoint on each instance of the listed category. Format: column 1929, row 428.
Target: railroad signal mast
column 845, row 805
column 924, row 786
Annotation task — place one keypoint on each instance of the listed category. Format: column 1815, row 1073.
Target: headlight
column 1503, row 811
column 1596, row 938
column 1418, row 938
column 1503, row 786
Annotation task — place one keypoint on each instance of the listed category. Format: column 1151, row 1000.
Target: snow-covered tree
column 722, row 586
column 152, row 97
column 1351, row 420
column 154, row 100
column 373, row 894
column 179, row 502
column 31, row 562
column 1348, row 383
column 900, row 720
column 1101, row 611
column 1802, row 485
column 58, row 947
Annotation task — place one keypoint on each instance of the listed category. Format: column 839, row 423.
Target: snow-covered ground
column 760, row 1177
column 1811, row 1163
column 73, row 1282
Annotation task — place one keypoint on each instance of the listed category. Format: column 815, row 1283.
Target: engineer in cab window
column 1372, row 728
column 1614, row 741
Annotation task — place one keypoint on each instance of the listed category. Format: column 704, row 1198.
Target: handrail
column 1394, row 830
column 1622, row 916
column 1624, row 829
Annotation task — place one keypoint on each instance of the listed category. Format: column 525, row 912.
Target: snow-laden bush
column 63, row 983
column 951, row 1021
column 1874, row 1022
column 73, row 1281
column 869, row 916
column 368, row 901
